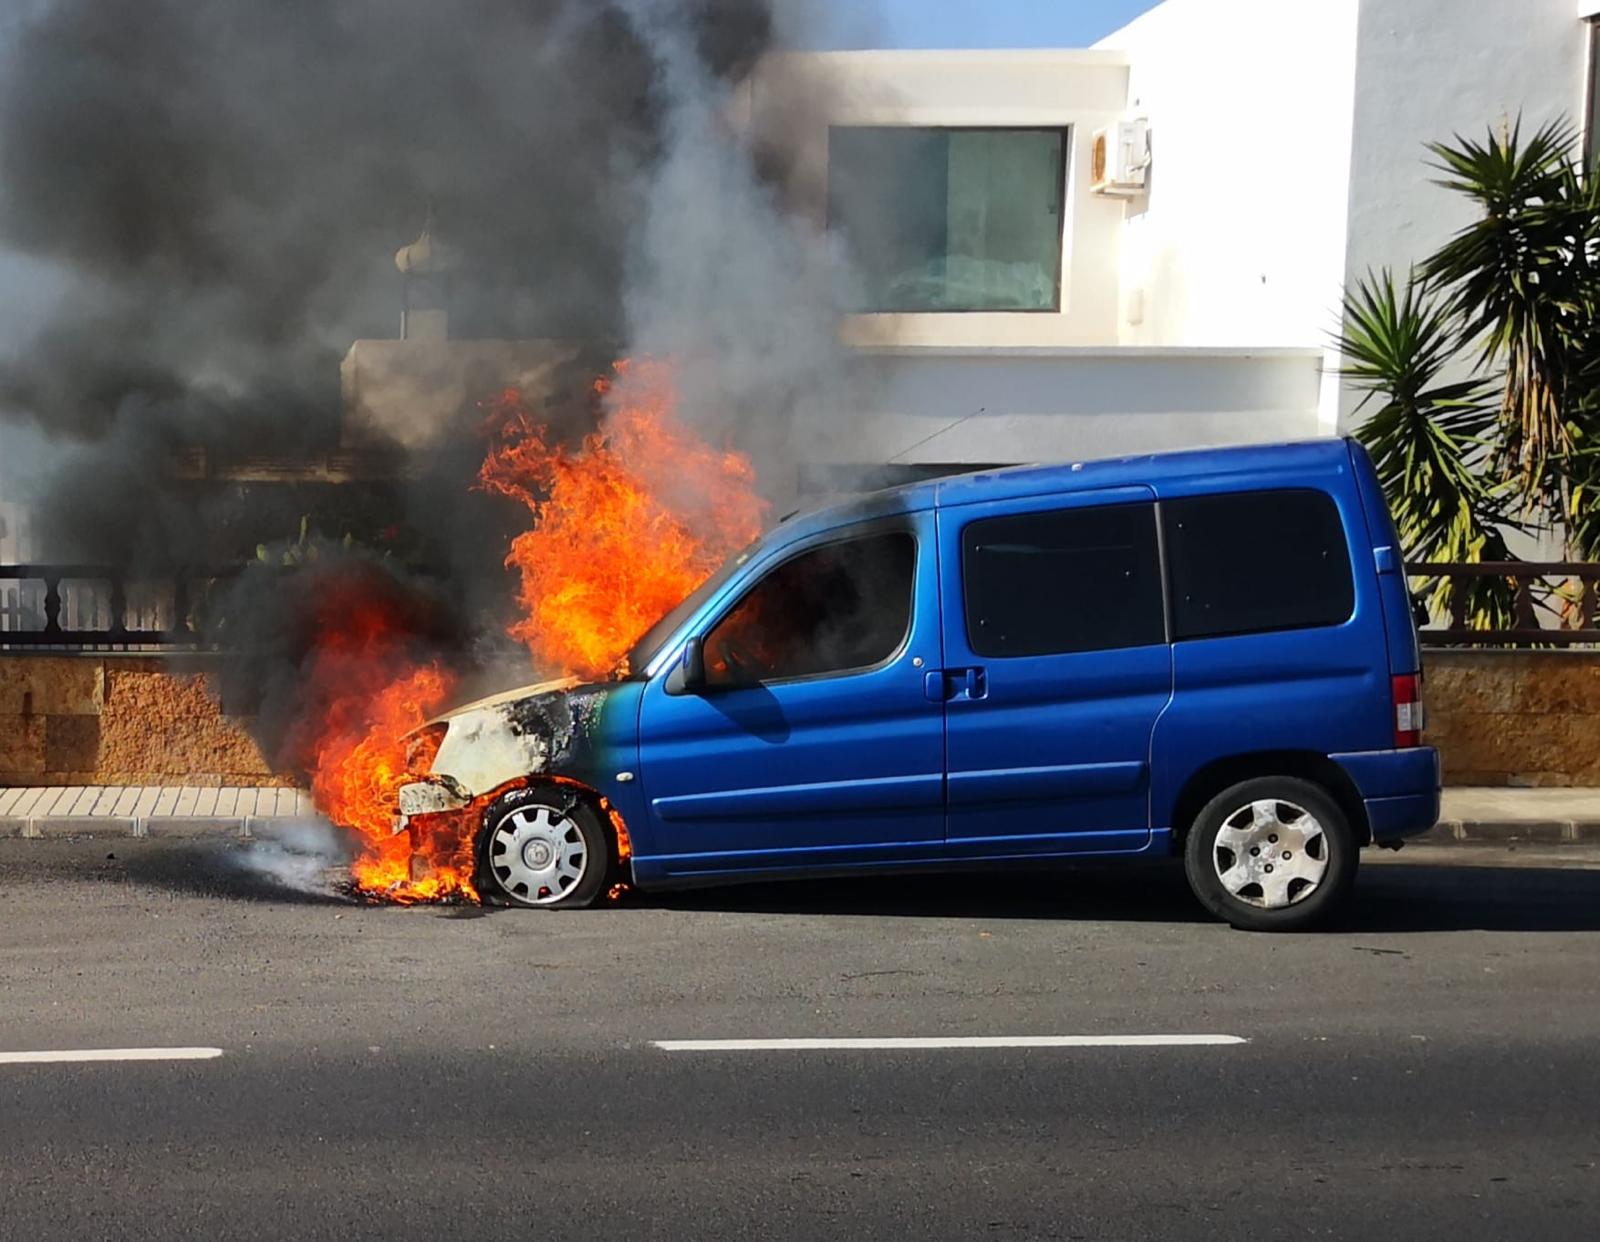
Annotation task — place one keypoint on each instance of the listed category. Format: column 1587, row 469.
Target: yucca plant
column 1522, row 284
column 1430, row 437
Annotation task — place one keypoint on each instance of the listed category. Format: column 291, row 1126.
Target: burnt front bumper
column 433, row 795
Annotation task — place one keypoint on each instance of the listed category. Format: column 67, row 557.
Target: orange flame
column 357, row 750
column 623, row 528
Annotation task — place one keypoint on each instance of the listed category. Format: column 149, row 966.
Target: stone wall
column 1498, row 717
column 1515, row 717
column 120, row 720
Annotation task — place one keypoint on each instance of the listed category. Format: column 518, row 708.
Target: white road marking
column 976, row 1041
column 69, row 1055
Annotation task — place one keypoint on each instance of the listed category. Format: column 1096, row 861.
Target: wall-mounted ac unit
column 1121, row 160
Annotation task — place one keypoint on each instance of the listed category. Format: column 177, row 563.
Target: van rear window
column 1062, row 581
column 1256, row 561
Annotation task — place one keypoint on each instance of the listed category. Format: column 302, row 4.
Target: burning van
column 1210, row 654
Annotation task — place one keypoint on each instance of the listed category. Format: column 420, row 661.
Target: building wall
column 997, row 406
column 1241, row 239
column 1428, row 69
column 1050, row 386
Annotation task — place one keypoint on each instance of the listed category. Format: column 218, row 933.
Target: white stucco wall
column 1079, row 90
column 1241, row 240
column 992, row 406
column 1428, row 69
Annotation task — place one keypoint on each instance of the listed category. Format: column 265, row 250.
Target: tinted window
column 1067, row 580
column 836, row 608
column 1257, row 561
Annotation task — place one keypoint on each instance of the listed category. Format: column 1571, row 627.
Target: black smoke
column 214, row 193
column 220, row 189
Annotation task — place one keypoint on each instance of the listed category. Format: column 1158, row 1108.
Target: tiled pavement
column 145, row 810
column 1490, row 816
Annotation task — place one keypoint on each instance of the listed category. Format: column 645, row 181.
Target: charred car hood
column 544, row 728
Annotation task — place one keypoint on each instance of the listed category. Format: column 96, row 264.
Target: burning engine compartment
column 621, row 528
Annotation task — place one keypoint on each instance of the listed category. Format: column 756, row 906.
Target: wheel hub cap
column 537, row 854
column 1271, row 854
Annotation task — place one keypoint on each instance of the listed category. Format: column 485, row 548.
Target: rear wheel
column 544, row 849
column 1272, row 854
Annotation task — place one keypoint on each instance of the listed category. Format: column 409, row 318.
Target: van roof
column 1012, row 482
column 1191, row 465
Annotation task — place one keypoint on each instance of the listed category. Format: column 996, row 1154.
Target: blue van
column 1206, row 653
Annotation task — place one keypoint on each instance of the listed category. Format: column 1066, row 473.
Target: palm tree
column 1431, row 438
column 1522, row 285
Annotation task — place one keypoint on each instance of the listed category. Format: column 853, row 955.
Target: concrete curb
column 1513, row 832
column 158, row 827
column 267, row 828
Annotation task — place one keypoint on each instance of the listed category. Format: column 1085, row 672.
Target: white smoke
column 725, row 279
column 305, row 856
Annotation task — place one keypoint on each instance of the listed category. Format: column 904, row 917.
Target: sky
column 991, row 23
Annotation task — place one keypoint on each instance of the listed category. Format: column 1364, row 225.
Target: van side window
column 1256, row 561
column 841, row 607
column 1062, row 581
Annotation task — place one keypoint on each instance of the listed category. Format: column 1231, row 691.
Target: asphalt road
column 1427, row 1070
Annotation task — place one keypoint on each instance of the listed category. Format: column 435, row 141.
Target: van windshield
column 649, row 646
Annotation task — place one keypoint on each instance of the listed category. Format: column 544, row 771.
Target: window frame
column 1174, row 637
column 833, row 538
column 1053, row 507
column 1067, row 133
column 1591, row 110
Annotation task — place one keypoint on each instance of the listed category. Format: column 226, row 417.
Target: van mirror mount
column 690, row 675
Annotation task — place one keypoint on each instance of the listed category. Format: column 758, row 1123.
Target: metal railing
column 93, row 607
column 1534, row 585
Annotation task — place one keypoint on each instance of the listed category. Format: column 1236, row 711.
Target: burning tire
column 543, row 848
column 1273, row 854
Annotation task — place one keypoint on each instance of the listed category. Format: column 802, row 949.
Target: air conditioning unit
column 1121, row 160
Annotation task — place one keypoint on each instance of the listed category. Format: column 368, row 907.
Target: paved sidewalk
column 1493, row 815
column 1470, row 815
column 146, row 810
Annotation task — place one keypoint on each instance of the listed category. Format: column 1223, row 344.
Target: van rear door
column 1055, row 668
column 1399, row 622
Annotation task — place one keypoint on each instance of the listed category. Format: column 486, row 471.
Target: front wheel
column 544, row 849
column 1272, row 854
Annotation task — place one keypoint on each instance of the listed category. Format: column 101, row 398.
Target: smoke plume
column 208, row 198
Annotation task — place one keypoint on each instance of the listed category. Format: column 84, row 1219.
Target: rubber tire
column 601, row 852
column 1343, row 856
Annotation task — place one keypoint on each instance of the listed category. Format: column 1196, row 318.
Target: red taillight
column 1408, row 716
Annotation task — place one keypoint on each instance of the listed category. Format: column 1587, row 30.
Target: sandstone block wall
column 1515, row 717
column 1498, row 718
column 120, row 720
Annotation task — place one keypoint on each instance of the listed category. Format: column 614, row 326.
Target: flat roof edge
column 1187, row 353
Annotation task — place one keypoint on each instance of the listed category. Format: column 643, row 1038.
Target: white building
column 1284, row 142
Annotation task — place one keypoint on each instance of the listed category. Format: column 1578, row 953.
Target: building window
column 1257, row 561
column 1063, row 581
column 950, row 219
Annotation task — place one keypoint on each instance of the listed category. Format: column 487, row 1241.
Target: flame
column 357, row 749
column 622, row 528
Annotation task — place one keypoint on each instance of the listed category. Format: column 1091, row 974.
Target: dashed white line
column 936, row 1043
column 79, row 1055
